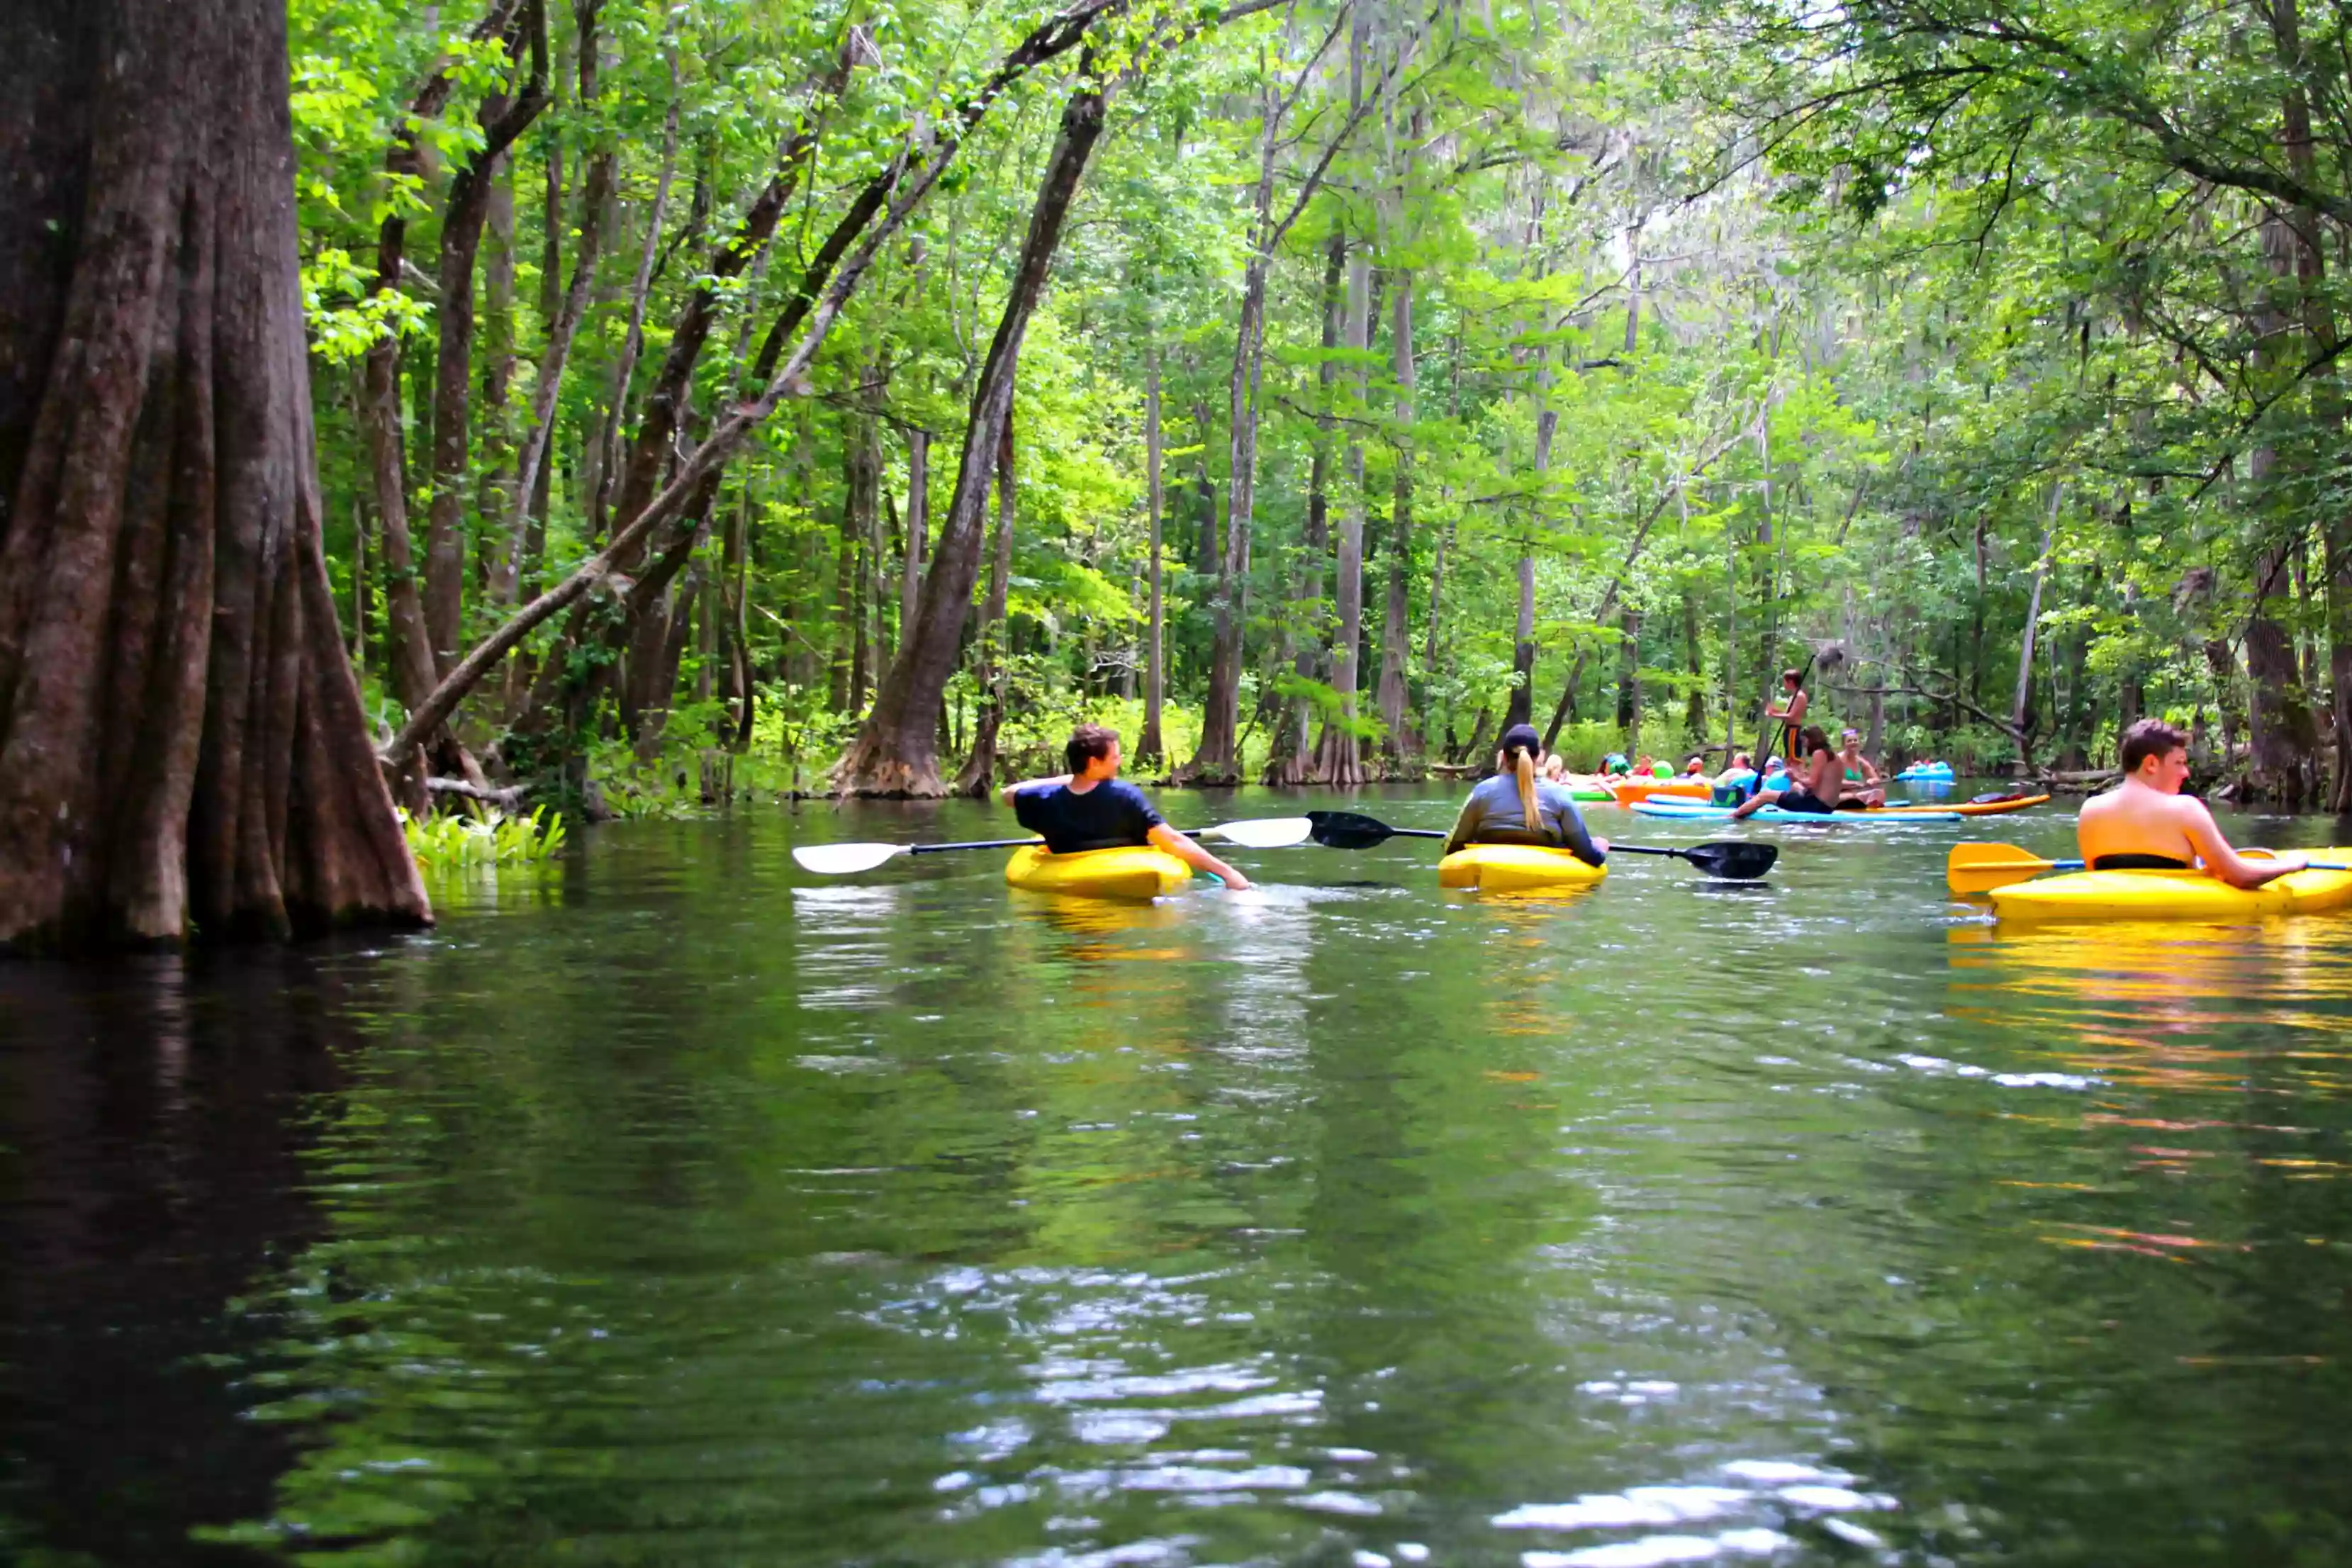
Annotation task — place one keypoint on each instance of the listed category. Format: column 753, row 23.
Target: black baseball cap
column 1522, row 737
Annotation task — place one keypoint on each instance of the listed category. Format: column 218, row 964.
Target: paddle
column 1981, row 868
column 1738, row 861
column 841, row 859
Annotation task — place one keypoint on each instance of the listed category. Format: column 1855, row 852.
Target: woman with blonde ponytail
column 1517, row 805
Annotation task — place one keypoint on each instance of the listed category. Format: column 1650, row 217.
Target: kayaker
column 1091, row 807
column 1791, row 710
column 1812, row 790
column 1862, row 781
column 1505, row 803
column 2146, row 823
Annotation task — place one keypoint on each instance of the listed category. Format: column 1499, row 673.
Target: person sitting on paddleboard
column 1554, row 770
column 1791, row 710
column 2146, row 823
column 1734, row 783
column 1091, row 807
column 1814, row 791
column 1503, row 804
column 1862, row 781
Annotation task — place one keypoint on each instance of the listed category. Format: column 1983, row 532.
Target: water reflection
column 708, row 1213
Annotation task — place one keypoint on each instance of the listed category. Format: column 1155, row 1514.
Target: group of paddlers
column 2144, row 824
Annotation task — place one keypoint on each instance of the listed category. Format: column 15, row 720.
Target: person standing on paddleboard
column 1513, row 806
column 1091, row 807
column 1790, row 712
column 1812, row 790
column 2146, row 823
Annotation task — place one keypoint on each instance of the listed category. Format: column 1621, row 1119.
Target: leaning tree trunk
column 182, row 747
column 897, row 749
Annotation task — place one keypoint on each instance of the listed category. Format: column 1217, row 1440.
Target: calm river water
column 672, row 1207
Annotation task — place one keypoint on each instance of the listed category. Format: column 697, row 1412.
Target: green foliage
column 458, row 841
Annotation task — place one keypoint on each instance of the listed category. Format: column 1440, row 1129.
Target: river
column 669, row 1206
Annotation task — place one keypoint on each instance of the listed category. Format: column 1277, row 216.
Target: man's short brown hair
column 1089, row 741
column 2148, row 738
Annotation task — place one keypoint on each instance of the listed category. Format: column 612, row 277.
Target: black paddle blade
column 1741, row 862
column 1997, row 796
column 1348, row 830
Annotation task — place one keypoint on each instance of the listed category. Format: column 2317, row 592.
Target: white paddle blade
column 841, row 859
column 1262, row 832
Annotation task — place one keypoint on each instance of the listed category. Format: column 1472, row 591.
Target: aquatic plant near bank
column 458, row 840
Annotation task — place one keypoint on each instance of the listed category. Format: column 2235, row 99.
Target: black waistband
column 2138, row 863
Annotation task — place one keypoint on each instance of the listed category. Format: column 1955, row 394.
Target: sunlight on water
column 678, row 1206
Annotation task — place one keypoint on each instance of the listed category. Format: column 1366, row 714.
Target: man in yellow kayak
column 2146, row 823
column 1091, row 807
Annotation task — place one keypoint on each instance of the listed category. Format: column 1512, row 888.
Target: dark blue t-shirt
column 1112, row 814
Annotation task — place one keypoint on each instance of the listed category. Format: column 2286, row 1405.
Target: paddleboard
column 1681, row 811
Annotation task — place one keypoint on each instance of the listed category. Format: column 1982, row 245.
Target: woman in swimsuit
column 1812, row 790
column 1862, row 782
column 1513, row 806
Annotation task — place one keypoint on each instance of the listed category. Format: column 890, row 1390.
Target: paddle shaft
column 1018, row 843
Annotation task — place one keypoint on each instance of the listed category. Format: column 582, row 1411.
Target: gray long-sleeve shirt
column 1492, row 816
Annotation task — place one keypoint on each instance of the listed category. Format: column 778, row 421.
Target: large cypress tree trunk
column 897, row 749
column 181, row 741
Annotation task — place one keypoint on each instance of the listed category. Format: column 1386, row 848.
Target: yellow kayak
column 1137, row 872
column 1515, row 868
column 2173, row 895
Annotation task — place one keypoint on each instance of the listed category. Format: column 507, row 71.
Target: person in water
column 1863, row 781
column 1791, row 710
column 2146, row 823
column 1091, row 807
column 1513, row 806
column 1814, row 790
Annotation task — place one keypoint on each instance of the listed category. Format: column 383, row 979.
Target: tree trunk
column 1629, row 678
column 633, row 337
column 896, row 751
column 182, row 747
column 564, row 313
column 1215, row 762
column 919, row 513
column 498, row 375
column 462, row 221
column 1398, row 743
column 1152, row 747
column 992, row 644
column 1306, row 589
column 2020, row 710
column 1339, row 757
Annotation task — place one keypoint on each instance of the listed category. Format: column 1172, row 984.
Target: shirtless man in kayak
column 2146, row 823
column 1091, row 807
